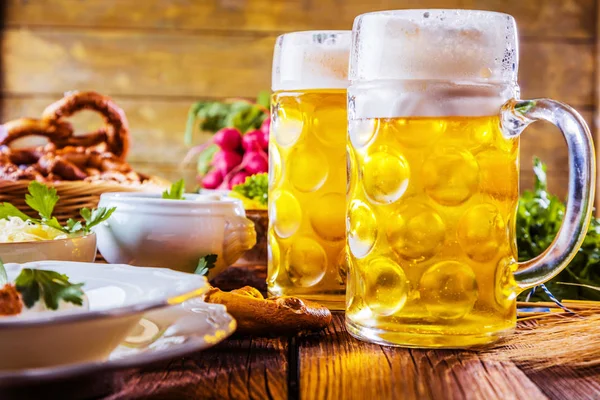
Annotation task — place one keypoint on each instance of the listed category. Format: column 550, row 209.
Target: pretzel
column 88, row 140
column 96, row 156
column 256, row 315
column 11, row 172
column 58, row 165
column 22, row 156
column 19, row 128
column 117, row 137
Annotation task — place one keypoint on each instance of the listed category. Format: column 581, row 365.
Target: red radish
column 266, row 125
column 212, row 180
column 228, row 139
column 238, row 178
column 252, row 141
column 255, row 162
column 264, row 140
column 226, row 160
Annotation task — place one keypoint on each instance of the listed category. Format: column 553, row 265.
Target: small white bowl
column 150, row 231
column 118, row 297
column 80, row 248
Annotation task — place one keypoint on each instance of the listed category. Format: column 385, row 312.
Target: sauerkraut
column 14, row 229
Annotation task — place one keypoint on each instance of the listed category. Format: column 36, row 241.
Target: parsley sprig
column 205, row 264
column 176, row 191
column 50, row 286
column 7, row 210
column 43, row 199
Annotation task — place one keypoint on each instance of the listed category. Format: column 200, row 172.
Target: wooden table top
column 326, row 365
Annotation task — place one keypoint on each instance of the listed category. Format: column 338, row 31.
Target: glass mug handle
column 515, row 116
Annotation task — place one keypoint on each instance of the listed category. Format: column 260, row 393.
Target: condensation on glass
column 434, row 122
column 307, row 167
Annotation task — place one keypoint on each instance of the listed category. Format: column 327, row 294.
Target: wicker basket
column 74, row 195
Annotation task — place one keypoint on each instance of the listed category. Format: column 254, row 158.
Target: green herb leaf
column 86, row 213
column 541, row 181
column 264, row 99
column 256, row 188
column 42, row 199
column 28, row 287
column 523, row 107
column 34, row 284
column 245, row 116
column 94, row 217
column 211, row 116
column 205, row 264
column 74, row 226
column 176, row 191
column 3, row 275
column 539, row 216
column 53, row 222
column 7, row 210
column 205, row 158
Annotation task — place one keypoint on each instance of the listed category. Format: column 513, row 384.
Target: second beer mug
column 307, row 167
column 434, row 124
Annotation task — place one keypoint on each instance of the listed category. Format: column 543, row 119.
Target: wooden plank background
column 156, row 57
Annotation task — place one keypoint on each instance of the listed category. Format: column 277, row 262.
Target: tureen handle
column 240, row 236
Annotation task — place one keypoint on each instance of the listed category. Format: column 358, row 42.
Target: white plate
column 180, row 330
column 119, row 295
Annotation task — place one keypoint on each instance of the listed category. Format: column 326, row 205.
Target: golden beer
column 307, row 167
column 431, row 229
column 308, row 196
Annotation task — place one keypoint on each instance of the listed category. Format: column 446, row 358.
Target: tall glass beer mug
column 307, row 167
column 434, row 124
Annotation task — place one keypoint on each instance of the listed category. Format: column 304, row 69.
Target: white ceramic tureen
column 148, row 230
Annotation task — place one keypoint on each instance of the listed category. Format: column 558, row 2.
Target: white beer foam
column 311, row 60
column 434, row 44
column 427, row 99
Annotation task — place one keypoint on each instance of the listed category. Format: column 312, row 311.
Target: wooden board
column 251, row 368
column 136, row 64
column 544, row 18
column 179, row 65
column 566, row 383
column 333, row 365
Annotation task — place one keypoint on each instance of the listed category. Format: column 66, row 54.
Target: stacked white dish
column 134, row 316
